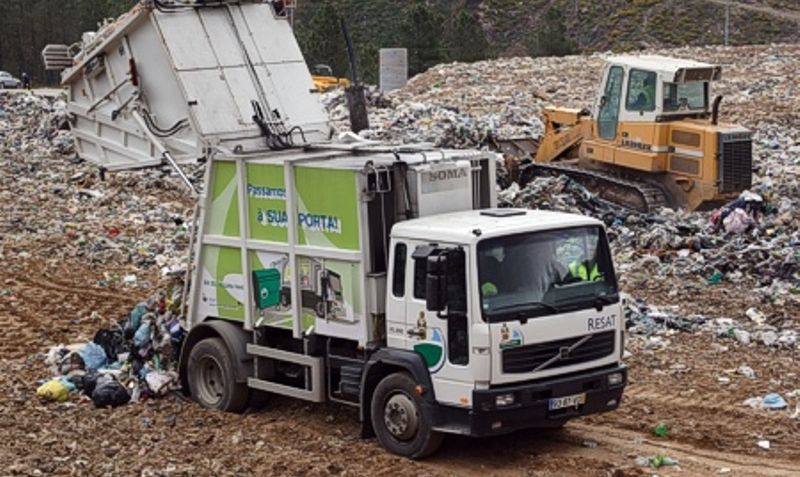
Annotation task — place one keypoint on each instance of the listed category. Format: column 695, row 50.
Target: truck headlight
column 614, row 379
column 504, row 400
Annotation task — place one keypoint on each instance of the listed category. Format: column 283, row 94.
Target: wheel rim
column 400, row 416
column 210, row 382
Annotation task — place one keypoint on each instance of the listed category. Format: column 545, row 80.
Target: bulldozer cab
column 650, row 139
column 652, row 89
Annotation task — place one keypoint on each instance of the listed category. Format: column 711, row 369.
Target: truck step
column 314, row 390
column 350, row 384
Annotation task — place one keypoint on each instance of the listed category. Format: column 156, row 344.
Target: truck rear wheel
column 211, row 377
column 401, row 423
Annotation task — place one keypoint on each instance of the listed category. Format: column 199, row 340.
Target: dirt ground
column 710, row 431
column 46, row 301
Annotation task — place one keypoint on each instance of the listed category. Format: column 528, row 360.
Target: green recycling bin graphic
column 267, row 287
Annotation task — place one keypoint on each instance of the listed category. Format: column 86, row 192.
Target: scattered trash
column 126, row 360
column 109, row 392
column 715, row 278
column 771, row 401
column 53, row 390
column 746, row 371
column 737, row 222
column 756, row 316
column 93, row 355
column 764, row 444
column 656, row 461
column 661, row 430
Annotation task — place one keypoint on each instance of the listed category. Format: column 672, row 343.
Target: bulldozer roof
column 667, row 66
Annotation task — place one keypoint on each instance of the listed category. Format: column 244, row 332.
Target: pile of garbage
column 395, row 118
column 654, row 325
column 130, row 360
column 32, row 124
column 755, row 239
column 749, row 237
column 137, row 218
column 463, row 104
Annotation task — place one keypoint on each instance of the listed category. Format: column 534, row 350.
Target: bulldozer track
column 608, row 188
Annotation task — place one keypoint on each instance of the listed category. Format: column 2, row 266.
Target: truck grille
column 735, row 162
column 525, row 359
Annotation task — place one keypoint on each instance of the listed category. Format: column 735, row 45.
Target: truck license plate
column 567, row 401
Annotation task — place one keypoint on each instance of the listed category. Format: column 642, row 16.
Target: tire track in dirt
column 690, row 457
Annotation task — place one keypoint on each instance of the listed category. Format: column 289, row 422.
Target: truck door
column 444, row 343
column 608, row 113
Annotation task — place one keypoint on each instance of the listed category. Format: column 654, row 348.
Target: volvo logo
column 564, row 352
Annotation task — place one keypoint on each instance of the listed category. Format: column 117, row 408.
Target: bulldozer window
column 608, row 115
column 641, row 91
column 685, row 96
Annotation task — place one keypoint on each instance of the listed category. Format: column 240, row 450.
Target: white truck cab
column 512, row 319
column 372, row 275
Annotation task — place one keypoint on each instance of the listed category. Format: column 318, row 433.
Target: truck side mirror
column 446, row 283
column 436, row 283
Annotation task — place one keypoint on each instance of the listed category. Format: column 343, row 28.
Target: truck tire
column 400, row 421
column 211, row 379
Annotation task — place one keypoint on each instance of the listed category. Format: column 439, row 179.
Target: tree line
column 26, row 26
column 433, row 31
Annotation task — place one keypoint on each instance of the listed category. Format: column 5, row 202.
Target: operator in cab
column 643, row 89
column 544, row 272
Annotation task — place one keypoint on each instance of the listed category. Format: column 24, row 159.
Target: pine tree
column 422, row 30
column 321, row 39
column 465, row 39
column 551, row 39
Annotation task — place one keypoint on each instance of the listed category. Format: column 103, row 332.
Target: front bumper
column 531, row 404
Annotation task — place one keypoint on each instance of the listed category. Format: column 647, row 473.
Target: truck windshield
column 542, row 273
column 685, row 96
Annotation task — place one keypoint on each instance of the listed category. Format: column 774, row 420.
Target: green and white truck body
column 373, row 275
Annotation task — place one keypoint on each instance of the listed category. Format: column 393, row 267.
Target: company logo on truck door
column 440, row 180
column 312, row 222
column 446, row 175
column 432, row 350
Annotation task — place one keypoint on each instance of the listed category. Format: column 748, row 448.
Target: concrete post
column 393, row 68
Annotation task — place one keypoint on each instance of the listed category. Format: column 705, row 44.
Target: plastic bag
column 142, row 337
column 737, row 222
column 136, row 315
column 112, row 342
column 109, row 392
column 53, row 390
column 160, row 382
column 93, row 355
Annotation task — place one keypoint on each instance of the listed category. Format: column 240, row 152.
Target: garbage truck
column 331, row 268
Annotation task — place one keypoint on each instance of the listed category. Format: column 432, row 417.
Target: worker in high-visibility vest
column 581, row 271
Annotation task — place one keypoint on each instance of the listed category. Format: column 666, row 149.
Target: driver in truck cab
column 538, row 270
column 585, row 271
column 532, row 268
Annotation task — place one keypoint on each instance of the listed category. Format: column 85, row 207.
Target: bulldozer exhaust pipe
column 715, row 110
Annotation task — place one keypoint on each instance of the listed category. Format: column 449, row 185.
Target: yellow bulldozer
column 653, row 139
column 325, row 80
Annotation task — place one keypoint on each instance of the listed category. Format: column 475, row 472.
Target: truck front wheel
column 211, row 377
column 401, row 423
